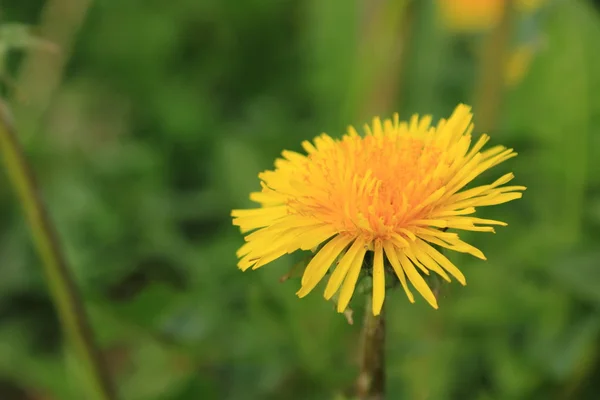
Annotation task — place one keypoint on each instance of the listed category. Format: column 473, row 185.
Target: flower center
column 373, row 186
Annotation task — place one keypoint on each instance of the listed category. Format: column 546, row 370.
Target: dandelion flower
column 395, row 192
column 477, row 15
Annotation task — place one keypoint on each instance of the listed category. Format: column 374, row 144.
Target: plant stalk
column 490, row 88
column 62, row 287
column 41, row 71
column 371, row 379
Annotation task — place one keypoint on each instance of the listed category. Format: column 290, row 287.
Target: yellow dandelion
column 394, row 192
column 476, row 15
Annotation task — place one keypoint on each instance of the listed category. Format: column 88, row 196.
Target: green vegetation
column 163, row 116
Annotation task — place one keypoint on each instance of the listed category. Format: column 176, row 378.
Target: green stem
column 371, row 380
column 490, row 87
column 63, row 289
column 382, row 42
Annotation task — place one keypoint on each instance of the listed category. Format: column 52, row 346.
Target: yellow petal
column 350, row 280
column 392, row 256
column 412, row 255
column 378, row 278
column 313, row 237
column 320, row 263
column 429, row 256
column 341, row 270
column 417, row 280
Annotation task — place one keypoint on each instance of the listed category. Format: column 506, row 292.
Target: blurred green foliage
column 165, row 114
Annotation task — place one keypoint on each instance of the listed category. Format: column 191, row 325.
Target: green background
column 163, row 116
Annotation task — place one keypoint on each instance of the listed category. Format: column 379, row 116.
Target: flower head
column 476, row 15
column 393, row 192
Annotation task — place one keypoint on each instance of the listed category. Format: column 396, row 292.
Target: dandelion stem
column 492, row 65
column 61, row 284
column 371, row 379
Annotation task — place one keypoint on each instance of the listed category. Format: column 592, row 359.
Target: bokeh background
column 147, row 121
